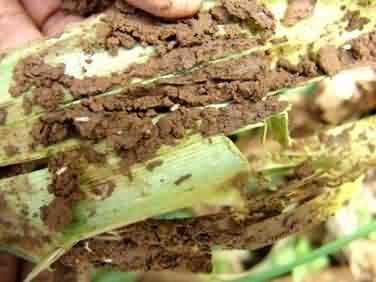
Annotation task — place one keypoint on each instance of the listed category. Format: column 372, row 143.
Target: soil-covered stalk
column 146, row 104
column 298, row 41
column 323, row 177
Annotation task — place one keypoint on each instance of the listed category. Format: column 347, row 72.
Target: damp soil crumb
column 153, row 165
column 355, row 20
column 182, row 179
column 251, row 10
column 298, row 10
column 65, row 186
column 328, row 60
column 10, row 150
column 57, row 214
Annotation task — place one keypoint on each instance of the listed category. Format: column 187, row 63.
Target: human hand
column 26, row 20
column 15, row 270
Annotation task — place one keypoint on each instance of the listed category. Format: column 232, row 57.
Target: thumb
column 168, row 8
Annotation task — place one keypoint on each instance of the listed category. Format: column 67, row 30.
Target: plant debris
column 183, row 178
column 153, row 165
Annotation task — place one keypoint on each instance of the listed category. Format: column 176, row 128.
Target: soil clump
column 65, row 186
column 355, row 20
column 298, row 10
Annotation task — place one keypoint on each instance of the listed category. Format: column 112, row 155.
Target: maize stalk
column 64, row 50
column 146, row 197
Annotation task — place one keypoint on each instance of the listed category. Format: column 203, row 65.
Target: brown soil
column 65, row 186
column 184, row 245
column 329, row 60
column 57, row 214
column 126, row 120
column 10, row 150
column 355, row 21
column 298, row 10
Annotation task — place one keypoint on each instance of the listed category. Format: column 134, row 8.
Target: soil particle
column 3, row 116
column 328, row 60
column 32, row 71
column 57, row 214
column 153, row 165
column 182, row 179
column 355, row 20
column 49, row 98
column 65, row 186
column 298, row 10
column 10, row 150
column 251, row 11
column 65, row 170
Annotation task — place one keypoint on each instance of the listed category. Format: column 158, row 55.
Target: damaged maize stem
column 133, row 115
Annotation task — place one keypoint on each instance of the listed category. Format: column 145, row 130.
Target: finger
column 57, row 22
column 41, row 10
column 45, row 276
column 48, row 15
column 168, row 8
column 8, row 268
column 16, row 27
